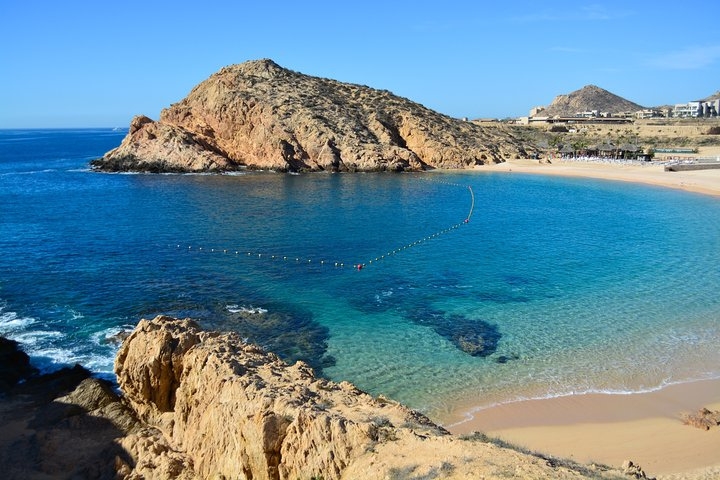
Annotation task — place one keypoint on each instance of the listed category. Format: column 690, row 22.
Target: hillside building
column 697, row 109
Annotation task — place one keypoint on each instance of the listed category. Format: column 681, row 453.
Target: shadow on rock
column 64, row 424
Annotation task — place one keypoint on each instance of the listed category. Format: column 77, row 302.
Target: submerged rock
column 292, row 336
column 475, row 337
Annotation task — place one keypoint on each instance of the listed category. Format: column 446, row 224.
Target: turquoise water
column 554, row 286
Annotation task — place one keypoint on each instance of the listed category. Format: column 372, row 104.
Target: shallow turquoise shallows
column 553, row 286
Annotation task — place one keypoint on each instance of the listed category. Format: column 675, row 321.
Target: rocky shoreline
column 199, row 404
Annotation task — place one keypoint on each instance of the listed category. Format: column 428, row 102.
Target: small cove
column 562, row 285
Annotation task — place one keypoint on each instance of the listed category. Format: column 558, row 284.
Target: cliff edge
column 259, row 115
column 236, row 411
column 198, row 404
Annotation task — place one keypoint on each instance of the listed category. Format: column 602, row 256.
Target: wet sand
column 646, row 428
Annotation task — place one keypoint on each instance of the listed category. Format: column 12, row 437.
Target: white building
column 689, row 109
column 697, row 109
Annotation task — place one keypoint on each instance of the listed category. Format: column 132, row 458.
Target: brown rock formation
column 238, row 412
column 69, row 425
column 703, row 418
column 207, row 405
column 259, row 115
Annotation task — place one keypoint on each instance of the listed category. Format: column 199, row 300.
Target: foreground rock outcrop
column 236, row 411
column 199, row 404
column 259, row 115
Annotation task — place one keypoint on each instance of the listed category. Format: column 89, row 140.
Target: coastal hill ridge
column 259, row 115
column 588, row 98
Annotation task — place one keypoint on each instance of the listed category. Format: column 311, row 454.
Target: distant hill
column 714, row 96
column 586, row 99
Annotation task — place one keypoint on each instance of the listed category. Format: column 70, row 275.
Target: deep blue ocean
column 554, row 286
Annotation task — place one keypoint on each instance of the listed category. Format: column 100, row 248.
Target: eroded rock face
column 259, row 115
column 216, row 407
column 202, row 405
column 158, row 147
column 243, row 413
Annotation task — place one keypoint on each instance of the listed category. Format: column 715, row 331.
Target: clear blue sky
column 95, row 63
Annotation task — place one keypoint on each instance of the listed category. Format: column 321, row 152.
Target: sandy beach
column 646, row 428
column 700, row 181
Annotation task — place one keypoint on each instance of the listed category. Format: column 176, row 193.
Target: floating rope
column 337, row 263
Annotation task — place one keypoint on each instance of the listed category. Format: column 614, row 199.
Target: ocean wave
column 28, row 172
column 10, row 322
column 234, row 308
column 50, row 350
column 111, row 336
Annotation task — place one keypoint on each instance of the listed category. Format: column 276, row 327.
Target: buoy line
column 236, row 252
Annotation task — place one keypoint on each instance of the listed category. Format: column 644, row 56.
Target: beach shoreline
column 653, row 173
column 645, row 427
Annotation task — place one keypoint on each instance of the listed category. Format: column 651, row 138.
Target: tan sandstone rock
column 259, row 115
column 226, row 409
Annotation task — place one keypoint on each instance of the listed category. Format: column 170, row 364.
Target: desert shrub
column 713, row 131
column 559, row 128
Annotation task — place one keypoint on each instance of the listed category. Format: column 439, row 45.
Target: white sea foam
column 49, row 359
column 101, row 365
column 234, row 308
column 10, row 322
column 111, row 336
column 41, row 344
column 33, row 337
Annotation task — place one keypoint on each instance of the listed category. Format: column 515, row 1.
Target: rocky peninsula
column 259, row 115
column 199, row 404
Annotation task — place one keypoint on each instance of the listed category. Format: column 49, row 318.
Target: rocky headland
column 199, row 404
column 259, row 115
